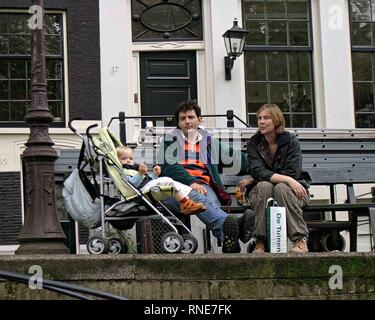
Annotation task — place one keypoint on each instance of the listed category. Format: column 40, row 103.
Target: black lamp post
column 234, row 40
column 41, row 232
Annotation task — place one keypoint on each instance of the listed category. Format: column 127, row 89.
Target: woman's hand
column 298, row 189
column 142, row 169
column 244, row 182
column 156, row 170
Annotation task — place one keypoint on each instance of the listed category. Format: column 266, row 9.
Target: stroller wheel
column 97, row 245
column 190, row 244
column 172, row 242
column 116, row 246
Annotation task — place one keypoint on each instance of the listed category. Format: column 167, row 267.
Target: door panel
column 167, row 78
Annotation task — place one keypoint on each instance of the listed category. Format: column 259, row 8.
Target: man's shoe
column 247, row 225
column 260, row 247
column 300, row 246
column 191, row 207
column 231, row 233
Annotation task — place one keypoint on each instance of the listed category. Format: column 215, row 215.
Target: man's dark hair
column 185, row 106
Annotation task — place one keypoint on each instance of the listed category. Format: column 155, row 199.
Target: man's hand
column 156, row 170
column 142, row 169
column 199, row 188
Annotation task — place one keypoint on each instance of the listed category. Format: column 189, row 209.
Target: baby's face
column 126, row 157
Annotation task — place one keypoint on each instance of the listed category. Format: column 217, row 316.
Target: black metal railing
column 230, row 116
column 67, row 289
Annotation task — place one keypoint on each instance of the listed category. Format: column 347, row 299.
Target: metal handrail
column 61, row 287
column 121, row 117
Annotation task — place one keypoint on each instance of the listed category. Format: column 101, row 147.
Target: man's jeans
column 213, row 217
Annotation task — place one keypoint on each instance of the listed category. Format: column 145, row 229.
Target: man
column 190, row 155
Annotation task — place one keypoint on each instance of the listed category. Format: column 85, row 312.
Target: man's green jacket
column 217, row 156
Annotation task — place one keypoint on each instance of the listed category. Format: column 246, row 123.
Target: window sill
column 80, row 125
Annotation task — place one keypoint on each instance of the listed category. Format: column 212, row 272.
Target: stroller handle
column 89, row 128
column 70, row 124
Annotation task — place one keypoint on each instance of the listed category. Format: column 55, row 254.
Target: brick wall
column 10, row 207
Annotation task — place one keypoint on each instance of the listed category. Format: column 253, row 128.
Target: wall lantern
column 234, row 40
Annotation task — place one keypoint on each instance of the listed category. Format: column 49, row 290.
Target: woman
column 276, row 167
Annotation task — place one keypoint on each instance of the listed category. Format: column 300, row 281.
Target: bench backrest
column 330, row 156
column 332, row 161
column 65, row 163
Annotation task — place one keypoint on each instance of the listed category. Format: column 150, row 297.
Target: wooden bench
column 336, row 159
column 340, row 160
column 344, row 158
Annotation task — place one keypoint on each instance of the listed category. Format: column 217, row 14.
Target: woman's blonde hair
column 275, row 114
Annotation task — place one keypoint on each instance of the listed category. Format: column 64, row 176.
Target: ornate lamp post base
column 41, row 232
column 42, row 247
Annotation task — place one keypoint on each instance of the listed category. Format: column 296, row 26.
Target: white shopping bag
column 276, row 227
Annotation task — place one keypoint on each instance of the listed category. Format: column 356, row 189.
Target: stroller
column 115, row 201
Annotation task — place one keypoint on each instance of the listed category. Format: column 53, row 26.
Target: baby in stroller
column 138, row 177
